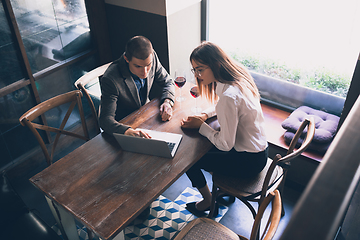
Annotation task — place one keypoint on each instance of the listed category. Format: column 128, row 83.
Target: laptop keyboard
column 171, row 145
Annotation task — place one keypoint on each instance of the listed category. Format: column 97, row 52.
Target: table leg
column 120, row 236
column 64, row 220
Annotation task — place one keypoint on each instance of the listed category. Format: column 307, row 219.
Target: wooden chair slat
column 74, row 98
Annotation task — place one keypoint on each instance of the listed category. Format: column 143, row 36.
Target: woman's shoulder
column 233, row 94
column 231, row 91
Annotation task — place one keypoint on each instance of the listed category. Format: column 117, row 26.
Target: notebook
column 161, row 144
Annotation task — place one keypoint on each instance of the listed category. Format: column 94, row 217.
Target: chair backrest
column 81, row 83
column 273, row 220
column 291, row 153
column 73, row 97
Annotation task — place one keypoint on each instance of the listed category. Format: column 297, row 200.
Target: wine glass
column 194, row 91
column 180, row 81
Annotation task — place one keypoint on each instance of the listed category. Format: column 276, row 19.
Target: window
column 53, row 51
column 313, row 44
column 11, row 68
column 51, row 30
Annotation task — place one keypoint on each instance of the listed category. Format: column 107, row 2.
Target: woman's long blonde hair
column 224, row 68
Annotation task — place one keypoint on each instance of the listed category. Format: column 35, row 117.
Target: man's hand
column 166, row 110
column 136, row 133
column 194, row 121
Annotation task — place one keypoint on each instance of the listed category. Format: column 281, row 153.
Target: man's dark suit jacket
column 120, row 97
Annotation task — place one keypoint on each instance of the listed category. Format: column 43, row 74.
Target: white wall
column 183, row 21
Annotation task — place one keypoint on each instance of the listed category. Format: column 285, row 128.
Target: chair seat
column 249, row 187
column 204, row 228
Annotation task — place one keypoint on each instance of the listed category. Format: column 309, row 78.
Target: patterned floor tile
column 129, row 235
column 166, row 218
column 192, row 195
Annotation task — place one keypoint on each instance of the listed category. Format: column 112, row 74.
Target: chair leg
column 65, row 221
column 253, row 212
column 214, row 194
column 281, row 190
column 220, row 199
column 282, row 208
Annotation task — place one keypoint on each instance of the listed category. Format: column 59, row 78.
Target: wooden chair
column 91, row 78
column 205, row 228
column 73, row 97
column 272, row 177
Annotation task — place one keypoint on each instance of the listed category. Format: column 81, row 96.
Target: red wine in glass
column 194, row 91
column 180, row 82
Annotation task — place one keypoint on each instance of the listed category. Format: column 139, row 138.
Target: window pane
column 79, row 69
column 61, row 82
column 15, row 139
column 52, row 30
column 51, row 86
column 10, row 70
column 298, row 41
column 12, row 106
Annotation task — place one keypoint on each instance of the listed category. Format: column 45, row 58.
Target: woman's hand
column 194, row 121
column 136, row 133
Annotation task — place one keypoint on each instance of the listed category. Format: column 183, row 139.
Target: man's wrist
column 169, row 101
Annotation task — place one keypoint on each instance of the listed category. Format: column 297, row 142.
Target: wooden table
column 106, row 188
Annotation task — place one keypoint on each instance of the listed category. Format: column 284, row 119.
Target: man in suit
column 130, row 82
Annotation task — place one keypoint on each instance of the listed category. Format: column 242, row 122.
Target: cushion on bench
column 315, row 146
column 325, row 127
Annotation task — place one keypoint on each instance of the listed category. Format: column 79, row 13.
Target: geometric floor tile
column 192, row 195
column 166, row 218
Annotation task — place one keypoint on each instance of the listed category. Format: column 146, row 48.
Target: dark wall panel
column 125, row 23
column 353, row 94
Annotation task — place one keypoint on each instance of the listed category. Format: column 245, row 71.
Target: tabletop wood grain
column 105, row 188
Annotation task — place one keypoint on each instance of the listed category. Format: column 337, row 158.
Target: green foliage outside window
column 319, row 79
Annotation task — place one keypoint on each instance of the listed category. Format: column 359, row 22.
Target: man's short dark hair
column 139, row 47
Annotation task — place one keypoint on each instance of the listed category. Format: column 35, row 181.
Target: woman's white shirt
column 241, row 121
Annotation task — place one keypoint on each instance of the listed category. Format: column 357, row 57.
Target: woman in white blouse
column 240, row 145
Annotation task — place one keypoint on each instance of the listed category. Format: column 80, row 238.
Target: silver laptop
column 161, row 144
